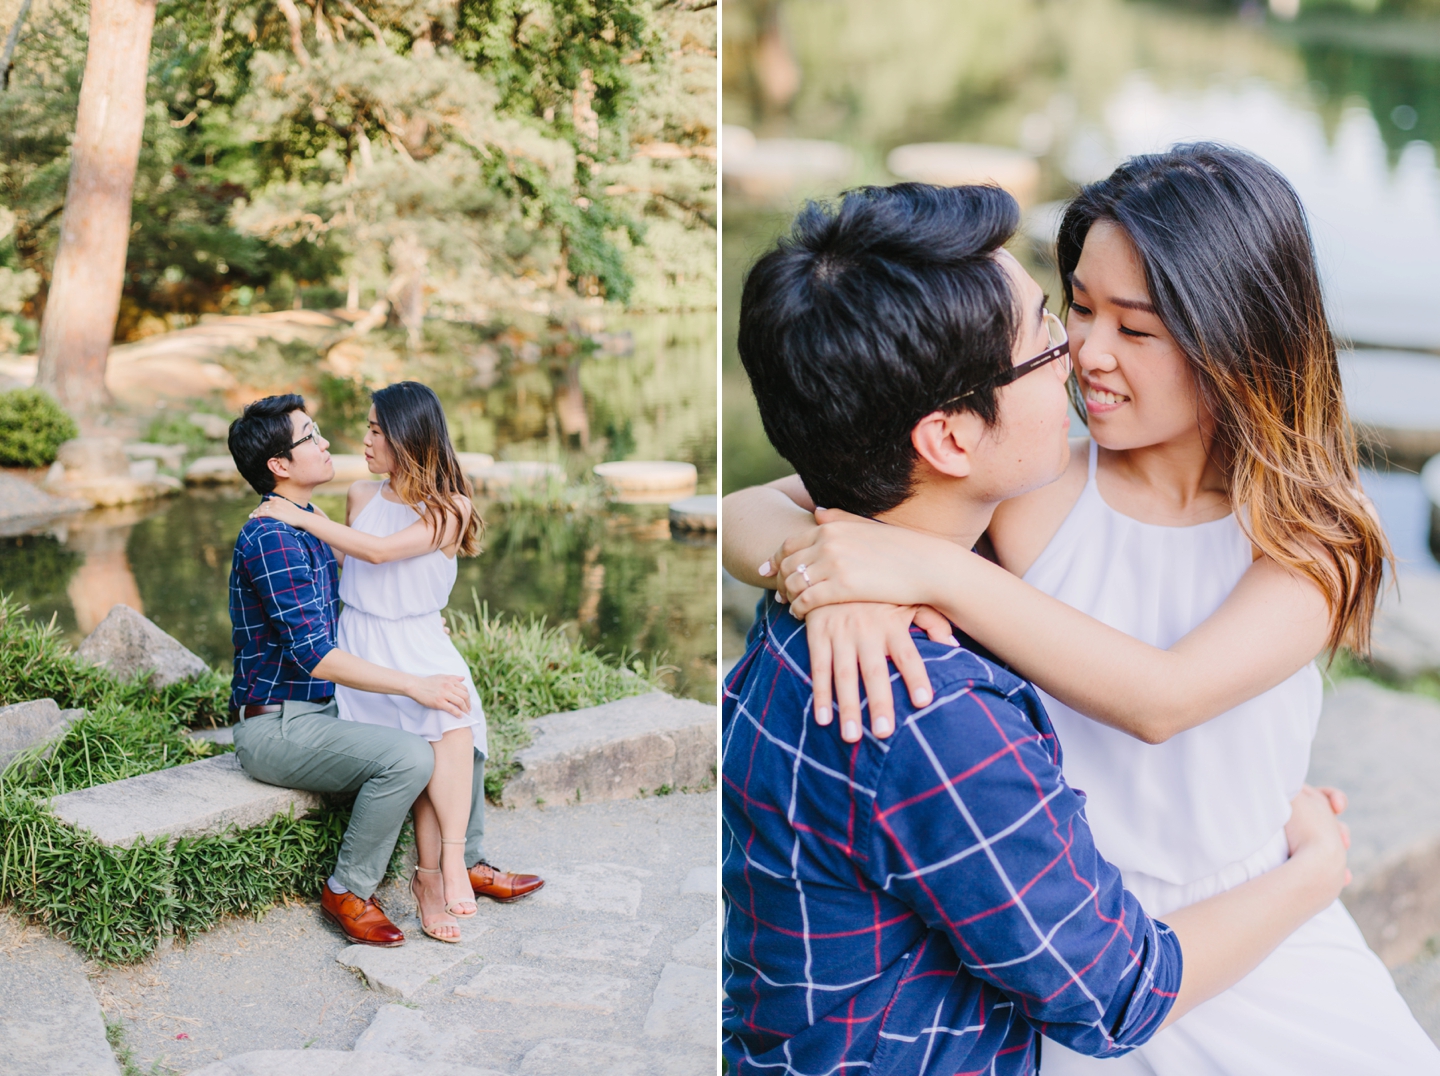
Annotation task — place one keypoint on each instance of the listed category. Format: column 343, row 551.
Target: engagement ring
column 805, row 575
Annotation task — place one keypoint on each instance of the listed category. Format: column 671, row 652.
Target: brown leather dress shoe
column 362, row 921
column 488, row 881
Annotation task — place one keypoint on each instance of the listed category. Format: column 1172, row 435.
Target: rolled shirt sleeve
column 294, row 600
column 989, row 845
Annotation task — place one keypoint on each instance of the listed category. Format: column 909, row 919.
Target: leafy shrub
column 32, row 428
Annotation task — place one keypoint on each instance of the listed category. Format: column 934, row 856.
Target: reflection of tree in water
column 35, row 569
column 616, row 575
column 181, row 560
column 1403, row 91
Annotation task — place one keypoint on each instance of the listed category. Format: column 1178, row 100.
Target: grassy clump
column 117, row 904
column 32, row 428
column 525, row 669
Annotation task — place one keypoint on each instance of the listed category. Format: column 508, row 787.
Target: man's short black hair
column 263, row 432
column 867, row 317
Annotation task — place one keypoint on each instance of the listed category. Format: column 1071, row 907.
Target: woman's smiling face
column 1139, row 387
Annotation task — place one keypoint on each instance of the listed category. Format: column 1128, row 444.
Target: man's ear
column 279, row 466
column 947, row 441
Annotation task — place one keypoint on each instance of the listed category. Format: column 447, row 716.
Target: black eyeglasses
column 1059, row 349
column 313, row 435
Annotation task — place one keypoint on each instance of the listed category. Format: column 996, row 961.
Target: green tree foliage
column 421, row 152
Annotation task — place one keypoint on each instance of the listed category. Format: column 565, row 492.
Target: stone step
column 616, row 751
column 1379, row 746
column 333, row 1063
column 198, row 798
column 683, row 1006
column 50, row 1022
column 520, row 984
column 567, row 1057
column 405, row 969
column 606, row 943
column 400, row 1031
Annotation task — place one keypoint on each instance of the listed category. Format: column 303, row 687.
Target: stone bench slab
column 616, row 750
column 193, row 800
column 1379, row 746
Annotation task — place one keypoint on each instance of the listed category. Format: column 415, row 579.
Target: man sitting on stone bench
column 283, row 606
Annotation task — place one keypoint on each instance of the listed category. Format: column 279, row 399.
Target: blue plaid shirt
column 283, row 596
column 922, row 904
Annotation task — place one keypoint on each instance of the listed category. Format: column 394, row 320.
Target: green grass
column 525, row 669
column 1348, row 666
column 117, row 904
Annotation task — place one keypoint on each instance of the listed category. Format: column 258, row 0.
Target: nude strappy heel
column 450, row 905
column 420, row 913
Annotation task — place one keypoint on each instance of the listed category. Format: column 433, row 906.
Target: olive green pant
column 306, row 745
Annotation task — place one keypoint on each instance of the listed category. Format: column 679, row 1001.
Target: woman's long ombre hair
column 427, row 474
column 1231, row 271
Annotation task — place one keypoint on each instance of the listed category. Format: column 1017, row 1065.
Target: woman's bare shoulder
column 1023, row 526
column 358, row 496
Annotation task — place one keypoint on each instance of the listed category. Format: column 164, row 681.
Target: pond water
column 612, row 573
column 1347, row 107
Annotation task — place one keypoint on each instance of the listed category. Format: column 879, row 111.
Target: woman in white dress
column 398, row 552
column 1179, row 580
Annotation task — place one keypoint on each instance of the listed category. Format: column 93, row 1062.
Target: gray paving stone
column 701, row 950
column 522, row 985
column 610, row 888
column 129, row 645
column 50, row 1022
column 1406, row 634
column 614, row 751
column 1380, row 746
column 609, row 942
column 702, row 880
column 332, row 1063
column 28, row 724
column 566, row 1057
column 684, row 1006
column 408, row 1032
column 224, row 735
column 406, row 968
column 208, row 796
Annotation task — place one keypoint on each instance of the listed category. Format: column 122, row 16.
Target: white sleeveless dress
column 1205, row 811
column 392, row 618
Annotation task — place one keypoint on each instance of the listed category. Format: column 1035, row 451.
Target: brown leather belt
column 255, row 709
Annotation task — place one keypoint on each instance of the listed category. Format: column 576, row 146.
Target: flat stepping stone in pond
column 611, row 943
column 701, row 880
column 406, row 968
column 522, row 985
column 1394, row 399
column 772, row 169
column 615, row 751
column 606, row 888
column 695, row 514
column 128, row 644
column 647, row 481
column 699, row 950
column 1405, row 638
column 1380, row 747
column 198, row 798
column 955, row 164
column 406, row 1032
column 50, row 1022
column 29, row 724
column 333, row 1063
column 513, row 474
column 684, row 1005
column 213, row 471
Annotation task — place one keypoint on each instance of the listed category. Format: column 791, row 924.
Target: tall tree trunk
column 89, row 273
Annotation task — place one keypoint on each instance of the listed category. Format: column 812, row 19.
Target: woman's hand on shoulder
column 849, row 558
column 283, row 510
column 850, row 644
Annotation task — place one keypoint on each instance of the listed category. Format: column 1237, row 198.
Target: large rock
column 616, row 751
column 196, row 799
column 27, row 724
column 20, row 501
column 128, row 645
column 1405, row 639
column 50, row 1022
column 98, row 471
column 1379, row 746
column 213, row 471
